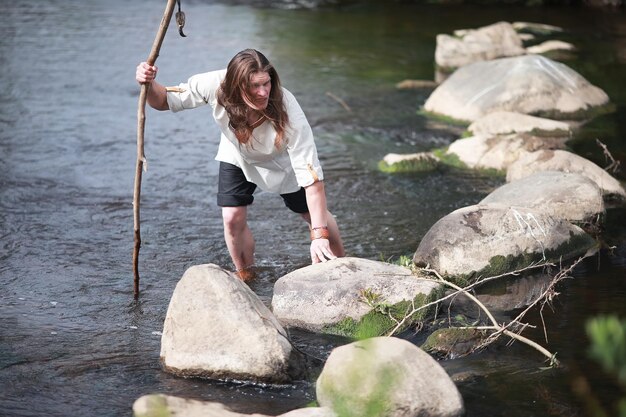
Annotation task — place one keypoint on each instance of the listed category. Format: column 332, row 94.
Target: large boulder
column 562, row 195
column 559, row 160
column 386, row 377
column 530, row 84
column 216, row 327
column 340, row 296
column 468, row 46
column 487, row 240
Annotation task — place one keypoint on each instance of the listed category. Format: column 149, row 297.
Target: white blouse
column 282, row 170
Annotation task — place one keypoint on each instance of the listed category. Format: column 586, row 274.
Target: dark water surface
column 72, row 341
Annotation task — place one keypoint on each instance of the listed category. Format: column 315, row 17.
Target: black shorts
column 234, row 190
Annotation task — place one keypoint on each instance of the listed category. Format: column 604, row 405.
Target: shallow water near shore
column 73, row 341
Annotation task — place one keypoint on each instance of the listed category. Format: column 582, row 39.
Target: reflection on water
column 72, row 342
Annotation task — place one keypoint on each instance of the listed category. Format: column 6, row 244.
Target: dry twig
column 613, row 166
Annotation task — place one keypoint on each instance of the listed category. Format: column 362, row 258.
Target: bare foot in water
column 246, row 274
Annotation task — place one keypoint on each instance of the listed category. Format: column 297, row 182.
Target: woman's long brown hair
column 235, row 86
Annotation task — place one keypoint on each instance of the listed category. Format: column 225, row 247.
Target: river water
column 73, row 342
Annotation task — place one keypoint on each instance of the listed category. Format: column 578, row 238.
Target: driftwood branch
column 546, row 297
column 464, row 290
column 141, row 124
column 340, row 101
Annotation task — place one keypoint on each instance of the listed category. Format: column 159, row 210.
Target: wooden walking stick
column 141, row 124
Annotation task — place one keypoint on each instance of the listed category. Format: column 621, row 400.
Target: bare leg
column 336, row 244
column 239, row 240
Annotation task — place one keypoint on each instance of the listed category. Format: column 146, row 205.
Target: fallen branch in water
column 545, row 298
column 461, row 290
column 339, row 100
column 547, row 295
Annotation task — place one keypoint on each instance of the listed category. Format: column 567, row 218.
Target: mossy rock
column 487, row 240
column 452, row 160
column 499, row 264
column 378, row 322
column 453, row 342
column 409, row 165
column 152, row 406
column 449, row 159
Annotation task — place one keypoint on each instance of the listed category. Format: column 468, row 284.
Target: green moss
column 376, row 404
column 608, row 344
column 452, row 160
column 409, row 165
column 492, row 172
column 460, row 280
column 556, row 133
column 378, row 323
column 405, row 261
column 156, row 407
column 365, row 388
column 443, row 118
column 586, row 114
column 538, row 132
column 577, row 245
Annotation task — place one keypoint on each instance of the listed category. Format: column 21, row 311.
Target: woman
column 265, row 141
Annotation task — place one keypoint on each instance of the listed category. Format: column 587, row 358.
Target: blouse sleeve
column 301, row 145
column 199, row 90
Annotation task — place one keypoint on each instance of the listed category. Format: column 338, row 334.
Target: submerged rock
column 453, row 343
column 386, row 377
column 562, row 195
column 472, row 45
column 559, row 160
column 530, row 84
column 216, row 327
column 487, row 240
column 331, row 297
